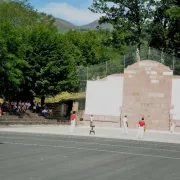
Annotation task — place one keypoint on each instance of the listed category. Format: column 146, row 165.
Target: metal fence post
column 173, row 61
column 106, row 68
column 124, row 61
column 87, row 73
column 162, row 59
column 149, row 52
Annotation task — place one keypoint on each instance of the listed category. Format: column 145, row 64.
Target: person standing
column 125, row 125
column 141, row 128
column 92, row 125
column 73, row 122
column 0, row 111
column 34, row 108
column 172, row 126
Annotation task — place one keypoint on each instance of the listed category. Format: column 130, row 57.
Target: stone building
column 149, row 89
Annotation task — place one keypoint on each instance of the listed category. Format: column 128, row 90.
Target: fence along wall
column 117, row 66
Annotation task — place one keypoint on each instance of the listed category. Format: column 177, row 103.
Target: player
column 73, row 122
column 172, row 126
column 125, row 125
column 141, row 128
column 92, row 125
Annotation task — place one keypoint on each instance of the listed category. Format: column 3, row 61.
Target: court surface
column 59, row 157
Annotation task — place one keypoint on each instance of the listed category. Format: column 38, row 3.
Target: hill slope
column 95, row 25
column 63, row 25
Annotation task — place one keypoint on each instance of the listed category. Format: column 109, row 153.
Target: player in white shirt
column 172, row 126
column 125, row 125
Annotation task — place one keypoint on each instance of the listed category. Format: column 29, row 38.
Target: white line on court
column 105, row 139
column 103, row 144
column 120, row 139
column 92, row 149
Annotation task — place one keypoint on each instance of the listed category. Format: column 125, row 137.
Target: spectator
column 44, row 112
column 50, row 112
column 34, row 108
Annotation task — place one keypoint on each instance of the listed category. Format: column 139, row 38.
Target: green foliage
column 93, row 47
column 36, row 59
column 127, row 16
column 11, row 62
column 164, row 28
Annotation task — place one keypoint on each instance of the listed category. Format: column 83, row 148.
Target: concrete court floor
column 63, row 157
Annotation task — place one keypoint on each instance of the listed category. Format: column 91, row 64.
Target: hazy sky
column 74, row 11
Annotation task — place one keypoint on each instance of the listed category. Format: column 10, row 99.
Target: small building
column 147, row 88
column 63, row 104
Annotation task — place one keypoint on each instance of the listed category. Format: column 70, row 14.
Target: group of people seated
column 18, row 107
column 14, row 106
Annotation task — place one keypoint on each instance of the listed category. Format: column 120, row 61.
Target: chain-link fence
column 104, row 69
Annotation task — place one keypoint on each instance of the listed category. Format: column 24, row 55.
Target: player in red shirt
column 141, row 128
column 73, row 122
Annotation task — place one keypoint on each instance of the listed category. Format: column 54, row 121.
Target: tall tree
column 164, row 29
column 53, row 68
column 93, row 47
column 173, row 31
column 18, row 20
column 12, row 64
column 130, row 16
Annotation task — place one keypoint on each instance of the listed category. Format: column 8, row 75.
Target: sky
column 74, row 11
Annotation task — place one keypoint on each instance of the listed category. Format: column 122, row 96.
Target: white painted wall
column 104, row 97
column 175, row 99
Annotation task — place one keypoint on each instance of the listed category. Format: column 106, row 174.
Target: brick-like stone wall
column 147, row 92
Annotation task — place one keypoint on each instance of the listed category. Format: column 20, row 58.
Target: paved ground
column 54, row 157
column 100, row 132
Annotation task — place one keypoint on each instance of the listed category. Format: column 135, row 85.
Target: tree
column 53, row 67
column 36, row 60
column 164, row 29
column 11, row 62
column 129, row 16
column 22, row 15
column 19, row 28
column 93, row 47
column 173, row 31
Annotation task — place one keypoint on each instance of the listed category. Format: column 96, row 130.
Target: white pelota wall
column 175, row 99
column 104, row 97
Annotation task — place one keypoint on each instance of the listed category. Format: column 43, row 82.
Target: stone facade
column 147, row 92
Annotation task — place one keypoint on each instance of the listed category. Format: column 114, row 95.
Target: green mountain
column 95, row 25
column 63, row 25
